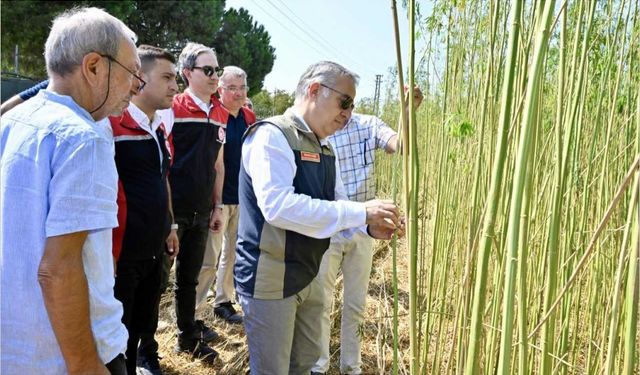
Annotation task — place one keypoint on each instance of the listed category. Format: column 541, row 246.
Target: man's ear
column 187, row 74
column 93, row 69
column 313, row 90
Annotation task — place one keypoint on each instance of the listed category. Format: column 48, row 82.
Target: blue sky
column 355, row 33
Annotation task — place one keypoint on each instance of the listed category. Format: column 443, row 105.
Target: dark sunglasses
column 209, row 70
column 143, row 83
column 346, row 102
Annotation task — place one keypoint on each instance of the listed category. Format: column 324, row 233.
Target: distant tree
column 170, row 24
column 244, row 43
column 282, row 100
column 266, row 104
column 26, row 23
column 263, row 104
column 366, row 106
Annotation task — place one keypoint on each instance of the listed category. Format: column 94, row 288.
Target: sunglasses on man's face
column 346, row 102
column 210, row 70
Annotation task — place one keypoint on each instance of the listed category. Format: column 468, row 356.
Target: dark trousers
column 117, row 366
column 137, row 286
column 148, row 345
column 192, row 232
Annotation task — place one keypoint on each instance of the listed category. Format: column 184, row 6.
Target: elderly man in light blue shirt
column 58, row 185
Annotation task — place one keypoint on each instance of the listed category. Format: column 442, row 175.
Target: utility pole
column 376, row 96
column 16, row 58
column 273, row 111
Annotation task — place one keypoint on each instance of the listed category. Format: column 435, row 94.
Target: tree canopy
column 170, row 24
column 266, row 104
column 245, row 43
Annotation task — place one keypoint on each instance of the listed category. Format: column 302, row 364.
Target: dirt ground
column 377, row 354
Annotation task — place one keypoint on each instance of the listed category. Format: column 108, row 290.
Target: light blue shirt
column 57, row 176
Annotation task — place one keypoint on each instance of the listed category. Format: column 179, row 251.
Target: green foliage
column 245, row 43
column 266, row 104
column 169, row 24
column 25, row 24
column 366, row 106
column 460, row 127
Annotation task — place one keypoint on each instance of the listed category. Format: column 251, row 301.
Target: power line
column 298, row 35
column 317, row 39
column 303, row 21
column 287, row 29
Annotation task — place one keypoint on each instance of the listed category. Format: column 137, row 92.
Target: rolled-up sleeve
column 383, row 133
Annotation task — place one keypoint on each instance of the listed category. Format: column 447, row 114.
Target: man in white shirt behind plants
column 355, row 146
column 291, row 202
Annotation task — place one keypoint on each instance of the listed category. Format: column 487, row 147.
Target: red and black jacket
column 142, row 189
column 196, row 137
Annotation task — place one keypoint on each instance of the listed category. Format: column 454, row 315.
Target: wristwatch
column 174, row 226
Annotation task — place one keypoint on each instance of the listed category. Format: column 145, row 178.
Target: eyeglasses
column 235, row 89
column 209, row 70
column 346, row 102
column 143, row 83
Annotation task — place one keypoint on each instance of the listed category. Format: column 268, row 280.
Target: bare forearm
column 170, row 203
column 10, row 103
column 66, row 297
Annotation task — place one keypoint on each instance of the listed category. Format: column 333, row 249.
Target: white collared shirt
column 205, row 107
column 150, row 127
column 269, row 161
column 168, row 116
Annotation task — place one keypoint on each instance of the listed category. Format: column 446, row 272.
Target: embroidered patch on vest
column 310, row 156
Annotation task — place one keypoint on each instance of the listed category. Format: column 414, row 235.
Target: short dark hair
column 149, row 54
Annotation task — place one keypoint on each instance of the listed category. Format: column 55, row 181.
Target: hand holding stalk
column 383, row 213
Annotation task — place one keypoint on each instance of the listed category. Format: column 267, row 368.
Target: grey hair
column 233, row 71
column 188, row 56
column 79, row 31
column 326, row 72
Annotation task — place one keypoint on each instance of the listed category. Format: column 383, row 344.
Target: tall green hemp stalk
column 472, row 361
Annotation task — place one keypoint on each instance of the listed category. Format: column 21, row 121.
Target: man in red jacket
column 198, row 133
column 221, row 246
column 142, row 158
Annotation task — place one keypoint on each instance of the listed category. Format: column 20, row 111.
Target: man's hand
column 215, row 220
column 98, row 369
column 383, row 214
column 384, row 233
column 173, row 244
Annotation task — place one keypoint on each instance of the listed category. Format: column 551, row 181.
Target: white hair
column 231, row 72
column 79, row 31
column 188, row 56
column 326, row 72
